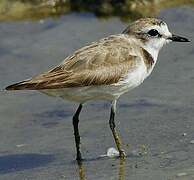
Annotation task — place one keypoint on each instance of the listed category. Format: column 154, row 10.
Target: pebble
column 112, row 152
column 192, row 141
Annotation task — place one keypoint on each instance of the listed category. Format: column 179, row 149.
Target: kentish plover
column 105, row 69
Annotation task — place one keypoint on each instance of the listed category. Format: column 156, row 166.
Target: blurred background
column 125, row 9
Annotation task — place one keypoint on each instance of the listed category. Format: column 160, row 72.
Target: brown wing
column 102, row 63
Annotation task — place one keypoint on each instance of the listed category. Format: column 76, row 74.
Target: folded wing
column 103, row 62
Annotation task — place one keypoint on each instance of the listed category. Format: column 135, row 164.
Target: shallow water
column 36, row 131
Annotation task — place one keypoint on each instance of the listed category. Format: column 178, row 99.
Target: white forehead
column 162, row 29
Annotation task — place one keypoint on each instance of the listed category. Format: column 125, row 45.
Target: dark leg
column 76, row 132
column 114, row 132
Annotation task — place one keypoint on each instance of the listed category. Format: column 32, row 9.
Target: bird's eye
column 153, row 32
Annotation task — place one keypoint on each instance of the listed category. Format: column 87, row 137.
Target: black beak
column 176, row 38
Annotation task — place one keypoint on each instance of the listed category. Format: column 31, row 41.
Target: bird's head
column 153, row 33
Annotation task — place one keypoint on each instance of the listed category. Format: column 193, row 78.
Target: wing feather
column 102, row 63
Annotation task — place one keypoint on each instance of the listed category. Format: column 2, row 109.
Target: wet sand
column 155, row 120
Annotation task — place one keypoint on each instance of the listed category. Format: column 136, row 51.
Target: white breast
column 134, row 78
column 104, row 92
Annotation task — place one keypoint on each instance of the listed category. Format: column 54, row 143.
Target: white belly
column 103, row 92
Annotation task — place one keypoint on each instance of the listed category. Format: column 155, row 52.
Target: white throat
column 153, row 47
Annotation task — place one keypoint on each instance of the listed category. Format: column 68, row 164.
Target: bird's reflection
column 121, row 170
column 82, row 175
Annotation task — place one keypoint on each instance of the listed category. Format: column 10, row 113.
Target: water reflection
column 19, row 162
column 121, row 170
column 82, row 175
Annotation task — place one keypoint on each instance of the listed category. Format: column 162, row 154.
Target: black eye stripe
column 153, row 32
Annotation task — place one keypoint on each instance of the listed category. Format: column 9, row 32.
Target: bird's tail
column 23, row 85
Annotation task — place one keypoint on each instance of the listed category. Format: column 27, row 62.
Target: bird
column 104, row 70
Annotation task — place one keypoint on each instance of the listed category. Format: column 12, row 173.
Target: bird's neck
column 153, row 47
column 152, row 51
